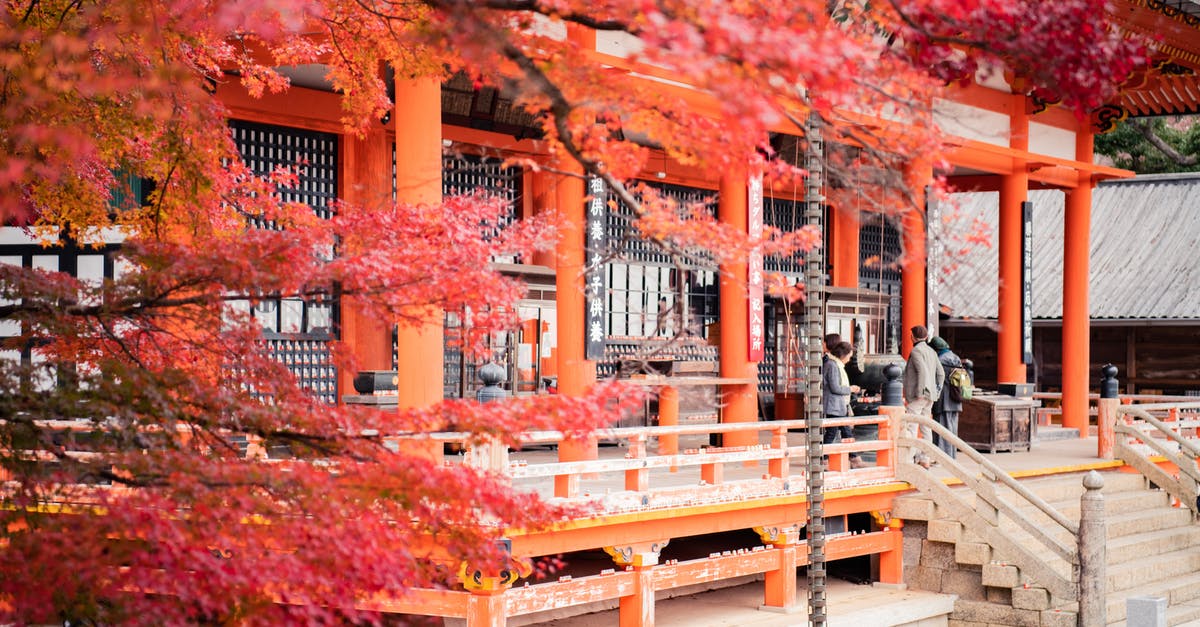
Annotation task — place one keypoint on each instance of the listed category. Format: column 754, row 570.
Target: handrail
column 639, row 461
column 1172, row 484
column 1145, row 407
column 1124, row 397
column 987, row 464
column 1021, row 555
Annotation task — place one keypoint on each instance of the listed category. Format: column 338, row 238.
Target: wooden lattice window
column 298, row 331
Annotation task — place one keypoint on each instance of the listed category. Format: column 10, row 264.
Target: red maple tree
column 127, row 498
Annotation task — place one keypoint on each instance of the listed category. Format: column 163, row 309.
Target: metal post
column 814, row 319
column 1092, row 532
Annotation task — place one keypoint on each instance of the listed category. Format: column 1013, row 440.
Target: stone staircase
column 1153, row 549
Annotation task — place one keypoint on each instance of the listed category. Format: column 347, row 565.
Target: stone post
column 1092, row 532
column 1146, row 612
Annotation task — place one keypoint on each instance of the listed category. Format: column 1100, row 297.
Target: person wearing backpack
column 948, row 406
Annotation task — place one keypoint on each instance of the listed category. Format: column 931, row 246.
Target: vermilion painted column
column 845, row 247
column 418, row 118
column 575, row 373
column 1014, row 190
column 544, row 201
column 740, row 401
column 1076, row 350
column 913, row 271
column 367, row 165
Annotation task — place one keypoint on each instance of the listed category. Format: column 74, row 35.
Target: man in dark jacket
column 946, row 409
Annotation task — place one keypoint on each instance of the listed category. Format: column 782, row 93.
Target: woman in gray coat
column 835, row 395
column 946, row 409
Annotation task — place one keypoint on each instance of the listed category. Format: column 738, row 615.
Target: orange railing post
column 1106, row 421
column 779, row 468
column 889, row 430
column 638, row 479
column 668, row 416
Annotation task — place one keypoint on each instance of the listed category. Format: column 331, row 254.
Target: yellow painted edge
column 1062, row 470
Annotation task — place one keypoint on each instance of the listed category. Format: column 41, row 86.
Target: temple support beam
column 575, row 373
column 1076, row 351
column 914, row 271
column 418, row 119
column 739, row 401
column 1014, row 190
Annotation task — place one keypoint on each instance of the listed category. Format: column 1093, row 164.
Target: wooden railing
column 671, row 489
column 1046, row 414
column 706, row 465
column 659, row 489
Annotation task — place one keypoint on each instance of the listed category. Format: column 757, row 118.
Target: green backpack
column 960, row 384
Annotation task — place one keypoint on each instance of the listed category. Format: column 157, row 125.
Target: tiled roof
column 1145, row 252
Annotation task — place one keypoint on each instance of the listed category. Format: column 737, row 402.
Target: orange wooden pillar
column 487, row 610
column 544, row 201
column 779, row 589
column 575, row 373
column 419, row 354
column 668, row 416
column 1014, row 190
column 739, row 400
column 1076, row 350
column 845, row 235
column 913, row 271
column 367, row 165
column 637, row 609
column 891, row 562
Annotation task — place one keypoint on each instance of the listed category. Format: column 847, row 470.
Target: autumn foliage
column 128, row 496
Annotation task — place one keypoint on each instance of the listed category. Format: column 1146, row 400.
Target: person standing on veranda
column 923, row 379
column 947, row 408
column 835, row 396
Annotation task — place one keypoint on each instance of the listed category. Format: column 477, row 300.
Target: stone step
column 1177, row 591
column 1114, row 504
column 1050, row 433
column 984, row 613
column 1131, row 547
column 1177, row 616
column 1066, row 487
column 1153, row 568
column 1119, row 525
column 1187, row 615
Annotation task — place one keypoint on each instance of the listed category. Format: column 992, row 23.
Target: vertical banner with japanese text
column 1027, row 282
column 754, row 269
column 594, row 288
column 933, row 261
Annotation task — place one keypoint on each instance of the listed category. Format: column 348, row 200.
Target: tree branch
column 1147, row 131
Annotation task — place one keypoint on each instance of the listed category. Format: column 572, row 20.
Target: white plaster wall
column 549, row 27
column 618, row 44
column 1052, row 141
column 16, row 235
column 970, row 122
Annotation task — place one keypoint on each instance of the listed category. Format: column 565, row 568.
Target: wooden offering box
column 995, row 422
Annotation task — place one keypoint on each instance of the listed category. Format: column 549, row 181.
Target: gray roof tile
column 1145, row 251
